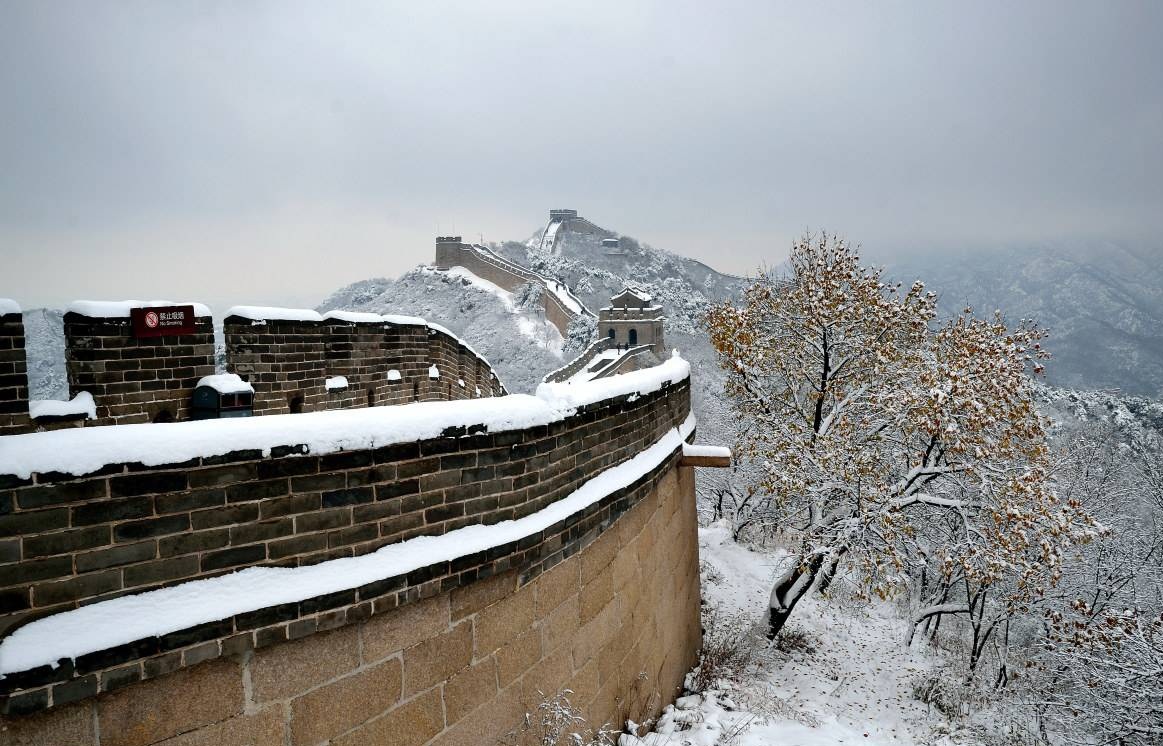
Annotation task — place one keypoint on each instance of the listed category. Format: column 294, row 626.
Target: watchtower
column 632, row 319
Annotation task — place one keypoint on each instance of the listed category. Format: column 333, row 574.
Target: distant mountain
column 684, row 287
column 1103, row 305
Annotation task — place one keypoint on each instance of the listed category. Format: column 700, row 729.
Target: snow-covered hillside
column 44, row 335
column 842, row 674
column 684, row 287
column 508, row 330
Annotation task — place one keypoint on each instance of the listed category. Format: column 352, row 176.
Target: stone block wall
column 135, row 380
column 616, row 621
column 13, row 375
column 68, row 541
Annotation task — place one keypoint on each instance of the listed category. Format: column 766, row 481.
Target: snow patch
column 336, row 383
column 394, row 375
column 539, row 330
column 105, row 309
column 433, row 372
column 7, row 306
column 82, row 403
column 270, row 313
column 226, row 383
column 705, row 451
column 355, row 317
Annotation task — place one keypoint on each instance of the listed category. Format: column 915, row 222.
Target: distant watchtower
column 449, row 251
column 632, row 319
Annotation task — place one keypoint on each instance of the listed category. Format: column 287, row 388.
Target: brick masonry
column 66, row 541
column 615, row 620
column 288, row 363
column 135, row 380
column 152, row 380
column 13, row 375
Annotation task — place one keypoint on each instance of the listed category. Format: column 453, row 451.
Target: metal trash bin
column 223, row 395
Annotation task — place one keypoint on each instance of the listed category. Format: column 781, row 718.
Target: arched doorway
column 633, row 337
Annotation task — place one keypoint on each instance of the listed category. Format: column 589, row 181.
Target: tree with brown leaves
column 870, row 422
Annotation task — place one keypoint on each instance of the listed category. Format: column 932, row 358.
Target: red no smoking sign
column 162, row 321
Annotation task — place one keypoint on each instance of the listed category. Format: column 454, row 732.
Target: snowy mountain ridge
column 1102, row 303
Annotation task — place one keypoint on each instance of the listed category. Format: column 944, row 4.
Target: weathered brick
column 233, row 557
column 435, row 659
column 335, row 708
column 386, row 634
column 283, row 671
column 164, row 707
column 145, row 484
column 82, row 586
column 112, row 510
column 150, row 527
column 410, row 724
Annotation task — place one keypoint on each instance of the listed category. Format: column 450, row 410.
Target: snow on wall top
column 116, row 309
column 85, row 450
column 395, row 318
column 80, row 404
column 7, row 306
column 110, row 623
column 362, row 317
column 355, row 317
column 226, row 383
column 270, row 313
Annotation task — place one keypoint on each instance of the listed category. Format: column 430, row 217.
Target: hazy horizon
column 269, row 153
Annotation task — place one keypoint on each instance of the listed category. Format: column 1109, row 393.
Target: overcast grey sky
column 270, row 152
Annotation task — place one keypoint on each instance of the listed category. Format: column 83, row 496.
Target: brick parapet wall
column 13, row 375
column 285, row 361
column 135, row 380
column 66, row 542
column 289, row 361
column 616, row 621
column 595, row 348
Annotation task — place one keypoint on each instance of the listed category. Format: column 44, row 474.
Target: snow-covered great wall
column 349, row 576
column 561, row 305
column 294, row 360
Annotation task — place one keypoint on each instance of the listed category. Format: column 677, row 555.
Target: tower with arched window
column 631, row 320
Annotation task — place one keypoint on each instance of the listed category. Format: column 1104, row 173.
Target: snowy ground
column 851, row 683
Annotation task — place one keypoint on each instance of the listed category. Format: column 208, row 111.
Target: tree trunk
column 789, row 589
column 828, row 574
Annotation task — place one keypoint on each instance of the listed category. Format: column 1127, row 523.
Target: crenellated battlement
column 296, row 360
